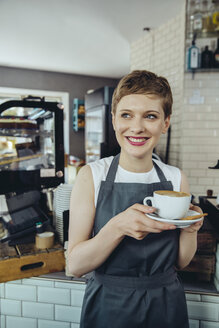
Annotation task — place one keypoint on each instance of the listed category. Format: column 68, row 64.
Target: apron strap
column 110, row 178
column 160, row 173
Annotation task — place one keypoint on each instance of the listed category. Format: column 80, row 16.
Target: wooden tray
column 23, row 261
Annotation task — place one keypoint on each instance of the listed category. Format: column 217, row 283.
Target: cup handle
column 148, row 200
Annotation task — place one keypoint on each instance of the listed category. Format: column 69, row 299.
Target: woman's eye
column 125, row 115
column 151, row 116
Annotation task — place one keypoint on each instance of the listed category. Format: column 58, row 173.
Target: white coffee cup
column 170, row 205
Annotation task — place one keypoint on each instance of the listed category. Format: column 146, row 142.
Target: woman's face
column 138, row 123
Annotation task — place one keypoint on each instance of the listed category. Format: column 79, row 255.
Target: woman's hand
column 195, row 226
column 134, row 223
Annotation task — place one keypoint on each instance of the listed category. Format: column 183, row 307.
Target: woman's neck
column 133, row 164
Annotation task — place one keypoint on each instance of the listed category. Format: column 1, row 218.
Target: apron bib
column 137, row 286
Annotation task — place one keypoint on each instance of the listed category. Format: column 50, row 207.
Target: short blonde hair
column 146, row 83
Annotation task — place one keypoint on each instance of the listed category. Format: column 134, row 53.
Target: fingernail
column 172, row 227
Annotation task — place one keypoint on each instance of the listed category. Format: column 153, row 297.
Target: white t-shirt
column 100, row 169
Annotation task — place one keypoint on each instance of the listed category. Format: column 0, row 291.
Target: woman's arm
column 188, row 236
column 85, row 253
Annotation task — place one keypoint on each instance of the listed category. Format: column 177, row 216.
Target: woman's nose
column 137, row 126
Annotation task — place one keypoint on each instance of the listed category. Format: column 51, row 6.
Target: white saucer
column 178, row 223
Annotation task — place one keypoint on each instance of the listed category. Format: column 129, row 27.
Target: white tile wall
column 193, row 297
column 38, row 310
column 203, row 309
column 195, row 126
column 162, row 51
column 207, row 324
column 20, row 292
column 2, row 321
column 10, row 307
column 193, row 324
column 77, row 297
column 74, row 325
column 2, row 290
column 53, row 324
column 20, row 322
column 38, row 282
column 54, row 295
column 201, row 124
column 67, row 313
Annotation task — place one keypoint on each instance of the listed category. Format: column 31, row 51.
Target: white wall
column 195, row 120
column 162, row 51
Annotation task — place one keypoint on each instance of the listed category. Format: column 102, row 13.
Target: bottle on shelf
column 210, row 25
column 190, row 18
column 207, row 58
column 216, row 55
column 206, row 15
column 197, row 18
column 215, row 15
column 193, row 57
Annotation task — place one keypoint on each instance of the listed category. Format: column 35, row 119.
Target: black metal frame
column 11, row 181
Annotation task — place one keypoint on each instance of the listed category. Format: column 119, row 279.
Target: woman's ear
column 166, row 124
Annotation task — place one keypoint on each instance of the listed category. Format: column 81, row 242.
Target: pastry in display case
column 31, row 145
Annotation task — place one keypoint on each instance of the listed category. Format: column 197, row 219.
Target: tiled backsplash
column 162, row 51
column 200, row 140
column 39, row 303
column 194, row 144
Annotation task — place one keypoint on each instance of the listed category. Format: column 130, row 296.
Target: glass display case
column 100, row 140
column 31, row 144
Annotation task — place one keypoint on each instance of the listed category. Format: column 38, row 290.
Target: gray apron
column 137, row 286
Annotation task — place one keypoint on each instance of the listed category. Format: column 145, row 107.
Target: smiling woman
column 133, row 257
column 138, row 121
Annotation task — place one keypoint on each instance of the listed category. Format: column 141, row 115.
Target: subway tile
column 10, row 307
column 19, row 281
column 20, row 292
column 200, row 190
column 211, row 299
column 203, row 311
column 71, row 285
column 54, row 295
column 77, row 297
column 216, row 283
column 2, row 291
column 75, row 325
column 206, row 181
column 38, row 282
column 204, row 164
column 38, row 310
column 208, row 324
column 67, row 313
column 2, row 321
column 53, row 324
column 198, row 173
column 20, row 322
column 189, row 165
column 193, row 323
column 217, row 270
column 193, row 297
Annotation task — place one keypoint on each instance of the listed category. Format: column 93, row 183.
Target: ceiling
column 88, row 37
